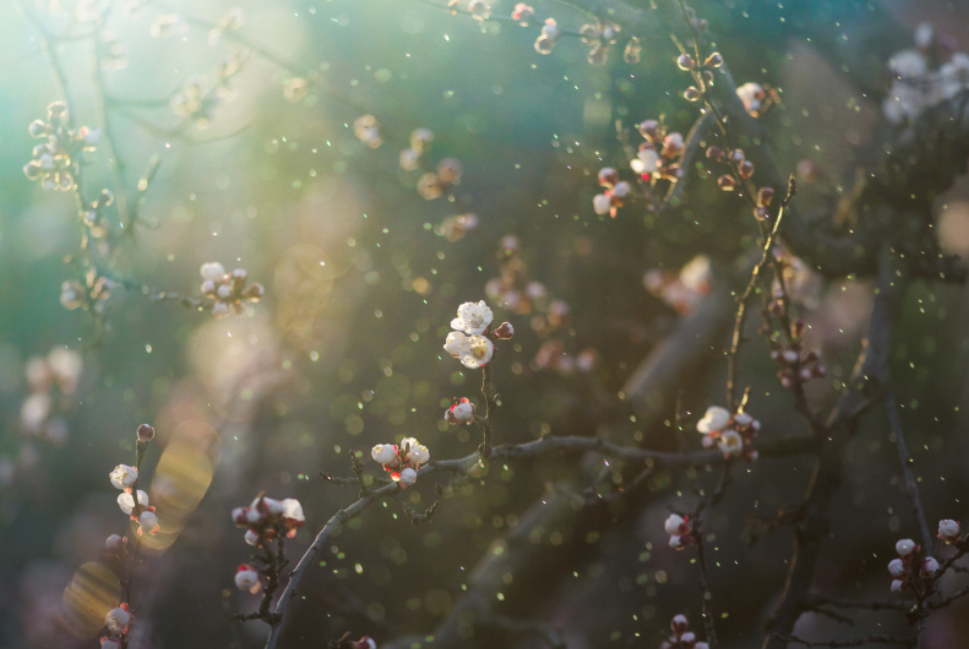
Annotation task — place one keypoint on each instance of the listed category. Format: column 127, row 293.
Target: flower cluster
column 910, row 570
column 523, row 13
column 680, row 530
column 757, row 98
column 682, row 637
column 367, row 130
column 682, row 290
column 435, row 184
column 600, row 35
column 657, row 159
column 266, row 519
column 614, row 195
column 229, row 290
column 234, row 19
column 950, row 531
column 460, row 412
column 402, row 462
column 55, row 163
column 197, row 99
column 132, row 501
column 471, row 343
column 733, row 435
column 549, row 36
column 916, row 85
column 91, row 295
column 420, row 143
column 118, row 621
column 796, row 367
column 60, row 369
column 453, row 228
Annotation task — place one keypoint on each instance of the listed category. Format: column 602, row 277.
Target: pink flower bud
column 505, row 331
column 679, row 624
column 930, row 566
column 145, row 433
column 114, row 544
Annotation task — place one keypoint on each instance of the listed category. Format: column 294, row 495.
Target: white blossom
column 905, row 547
column 293, row 510
column 730, row 442
column 647, row 161
column 212, row 270
column 127, row 502
column 117, row 619
column 930, row 566
column 123, row 476
column 897, row 585
column 149, row 521
column 247, row 579
column 384, row 453
column 896, row 567
column 949, row 530
column 473, row 318
column 673, row 524
column 407, row 477
column 714, row 420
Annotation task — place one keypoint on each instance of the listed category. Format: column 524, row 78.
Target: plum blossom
column 473, row 351
column 266, row 518
column 123, row 476
column 949, row 530
column 127, row 502
column 402, row 462
column 714, row 420
column 149, row 522
column 680, row 531
column 473, row 318
column 905, row 547
column 248, row 579
column 118, row 619
column 461, row 412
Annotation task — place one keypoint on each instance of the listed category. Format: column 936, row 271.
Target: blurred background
column 239, row 134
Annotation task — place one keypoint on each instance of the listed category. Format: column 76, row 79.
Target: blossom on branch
column 402, row 462
column 123, row 476
column 461, row 412
column 248, row 579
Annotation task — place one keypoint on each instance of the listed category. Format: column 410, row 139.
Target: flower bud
column 685, row 62
column 715, row 153
column 949, row 530
column 384, row 453
column 746, row 169
column 505, row 331
column 897, row 585
column 248, row 579
column 764, row 196
column 461, row 412
column 896, row 567
column 715, row 60
column 408, row 477
column 679, row 624
column 114, row 544
column 675, row 524
column 726, row 183
column 930, row 566
column 692, row 94
column 145, row 433
column 905, row 547
column 649, row 130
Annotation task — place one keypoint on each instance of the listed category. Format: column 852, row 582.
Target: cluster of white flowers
column 439, row 182
column 125, row 478
column 367, row 130
column 682, row 637
column 460, row 412
column 55, row 162
column 95, row 290
column 600, row 36
column 916, row 86
column 266, row 518
column 754, row 97
column 658, row 159
column 680, row 530
column 683, row 290
column 549, row 36
column 908, row 570
column 420, row 142
column 732, row 434
column 402, row 462
column 228, row 290
column 60, row 369
column 471, row 342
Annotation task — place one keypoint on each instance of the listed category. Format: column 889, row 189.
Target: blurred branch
column 906, row 460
